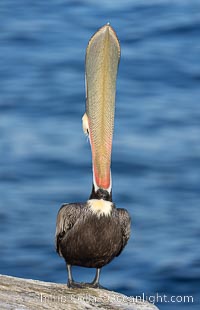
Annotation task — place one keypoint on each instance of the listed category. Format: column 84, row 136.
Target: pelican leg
column 70, row 278
column 71, row 283
column 95, row 282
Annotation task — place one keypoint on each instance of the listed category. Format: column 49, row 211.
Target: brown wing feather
column 66, row 218
column 125, row 222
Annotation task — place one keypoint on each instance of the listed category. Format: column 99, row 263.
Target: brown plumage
column 85, row 239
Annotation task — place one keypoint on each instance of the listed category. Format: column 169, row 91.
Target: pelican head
column 101, row 62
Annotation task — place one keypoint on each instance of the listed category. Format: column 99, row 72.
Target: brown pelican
column 91, row 234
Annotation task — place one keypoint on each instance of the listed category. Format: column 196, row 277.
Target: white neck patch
column 100, row 207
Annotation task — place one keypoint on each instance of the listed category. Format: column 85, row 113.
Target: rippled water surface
column 45, row 159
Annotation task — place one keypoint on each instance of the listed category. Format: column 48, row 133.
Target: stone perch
column 23, row 294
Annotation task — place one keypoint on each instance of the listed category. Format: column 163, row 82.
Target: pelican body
column 93, row 240
column 92, row 233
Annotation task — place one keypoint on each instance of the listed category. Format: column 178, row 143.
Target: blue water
column 45, row 159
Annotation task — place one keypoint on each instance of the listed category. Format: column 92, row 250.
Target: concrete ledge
column 23, row 294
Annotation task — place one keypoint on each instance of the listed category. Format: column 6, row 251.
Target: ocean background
column 45, row 159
